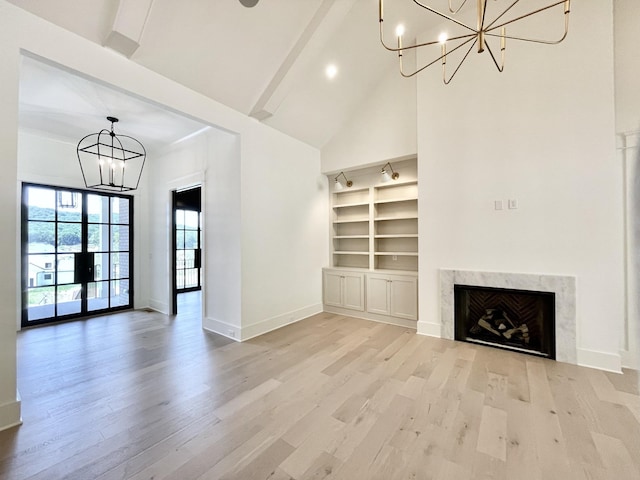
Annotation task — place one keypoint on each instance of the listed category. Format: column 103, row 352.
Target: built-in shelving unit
column 395, row 228
column 374, row 248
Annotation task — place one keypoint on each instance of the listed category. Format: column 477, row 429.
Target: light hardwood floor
column 144, row 396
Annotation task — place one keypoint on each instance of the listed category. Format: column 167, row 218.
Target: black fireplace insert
column 520, row 320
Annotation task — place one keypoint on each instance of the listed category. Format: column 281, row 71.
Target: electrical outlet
column 394, row 258
column 513, row 204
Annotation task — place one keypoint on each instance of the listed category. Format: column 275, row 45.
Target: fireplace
column 562, row 286
column 519, row 320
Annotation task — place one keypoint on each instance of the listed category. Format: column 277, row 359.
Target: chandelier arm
column 499, row 67
column 447, row 17
column 417, row 45
column 454, row 11
column 409, row 75
column 535, row 40
column 521, row 17
column 502, row 14
column 444, row 77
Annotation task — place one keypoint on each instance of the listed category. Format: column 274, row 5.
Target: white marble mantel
column 564, row 288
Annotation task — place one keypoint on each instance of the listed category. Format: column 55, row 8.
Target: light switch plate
column 498, row 205
column 513, row 204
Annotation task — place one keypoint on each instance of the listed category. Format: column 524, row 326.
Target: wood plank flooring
column 140, row 395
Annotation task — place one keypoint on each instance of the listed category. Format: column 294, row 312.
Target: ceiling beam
column 326, row 20
column 128, row 26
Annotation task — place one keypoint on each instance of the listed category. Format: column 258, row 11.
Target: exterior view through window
column 76, row 253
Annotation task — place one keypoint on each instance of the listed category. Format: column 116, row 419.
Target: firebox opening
column 520, row 320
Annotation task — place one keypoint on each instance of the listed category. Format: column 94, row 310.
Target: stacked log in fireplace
column 516, row 319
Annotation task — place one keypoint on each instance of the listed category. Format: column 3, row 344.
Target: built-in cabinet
column 393, row 295
column 374, row 249
column 343, row 289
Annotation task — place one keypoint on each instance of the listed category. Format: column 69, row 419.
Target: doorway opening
column 186, row 245
column 77, row 253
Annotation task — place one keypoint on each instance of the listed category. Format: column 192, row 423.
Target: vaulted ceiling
column 267, row 61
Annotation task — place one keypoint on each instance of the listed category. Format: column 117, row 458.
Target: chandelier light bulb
column 400, row 30
column 443, row 37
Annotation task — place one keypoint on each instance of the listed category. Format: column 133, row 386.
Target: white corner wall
column 541, row 133
column 286, row 278
column 284, row 232
column 627, row 72
column 383, row 128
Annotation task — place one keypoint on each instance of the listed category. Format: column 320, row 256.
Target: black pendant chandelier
column 111, row 162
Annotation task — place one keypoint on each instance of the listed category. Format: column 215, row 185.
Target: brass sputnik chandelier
column 489, row 25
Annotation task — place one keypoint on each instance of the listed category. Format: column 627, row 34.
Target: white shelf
column 394, row 200
column 398, row 235
column 346, row 252
column 340, row 237
column 400, row 217
column 357, row 220
column 398, row 254
column 354, row 204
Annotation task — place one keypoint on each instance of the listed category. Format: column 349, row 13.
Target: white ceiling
column 267, row 61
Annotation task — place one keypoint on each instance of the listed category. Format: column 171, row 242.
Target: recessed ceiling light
column 331, row 71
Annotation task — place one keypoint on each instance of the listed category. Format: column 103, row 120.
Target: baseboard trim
column 430, row 329
column 221, row 328
column 158, row 306
column 279, row 321
column 10, row 414
column 630, row 360
column 609, row 362
column 374, row 317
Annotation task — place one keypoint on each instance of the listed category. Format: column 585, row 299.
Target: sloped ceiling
column 267, row 61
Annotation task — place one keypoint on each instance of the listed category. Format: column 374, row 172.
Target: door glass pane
column 119, row 265
column 191, row 220
column 98, row 238
column 101, row 266
column 65, row 265
column 68, row 299
column 191, row 278
column 180, row 259
column 119, row 238
column 42, row 203
column 180, row 239
column 42, row 270
column 180, row 218
column 179, row 279
column 69, row 206
column 41, row 237
column 40, row 303
column 119, row 292
column 97, row 296
column 70, row 237
column 120, row 210
column 191, row 239
column 97, row 209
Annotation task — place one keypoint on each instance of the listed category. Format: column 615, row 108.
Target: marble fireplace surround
column 563, row 286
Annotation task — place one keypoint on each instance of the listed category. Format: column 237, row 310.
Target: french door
column 77, row 256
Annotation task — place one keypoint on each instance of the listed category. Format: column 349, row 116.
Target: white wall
column 627, row 73
column 384, row 127
column 284, row 231
column 627, row 64
column 542, row 133
column 298, row 280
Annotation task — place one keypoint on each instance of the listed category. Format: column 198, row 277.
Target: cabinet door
column 332, row 288
column 378, row 294
column 403, row 295
column 353, row 293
